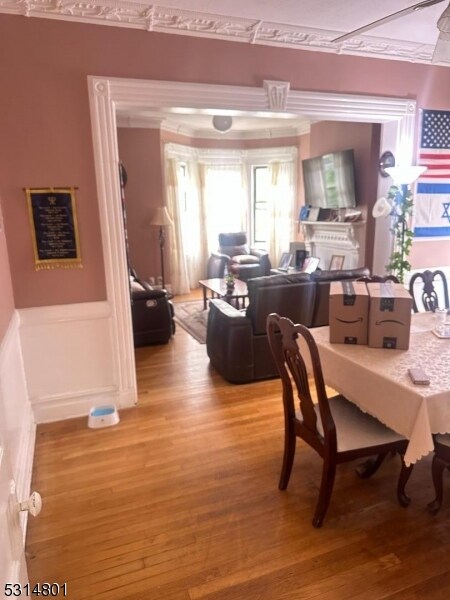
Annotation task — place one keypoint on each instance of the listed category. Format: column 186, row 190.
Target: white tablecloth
column 377, row 381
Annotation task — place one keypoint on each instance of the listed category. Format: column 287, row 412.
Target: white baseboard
column 78, row 403
column 69, row 362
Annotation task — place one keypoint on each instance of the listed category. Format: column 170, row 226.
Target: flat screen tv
column 329, row 180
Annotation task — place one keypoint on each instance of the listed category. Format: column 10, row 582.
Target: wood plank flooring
column 180, row 502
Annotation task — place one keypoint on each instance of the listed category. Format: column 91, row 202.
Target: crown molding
column 229, row 155
column 144, row 122
column 149, row 17
column 139, row 122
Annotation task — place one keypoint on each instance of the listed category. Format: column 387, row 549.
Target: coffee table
column 218, row 289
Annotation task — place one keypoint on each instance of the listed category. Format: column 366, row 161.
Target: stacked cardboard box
column 389, row 315
column 349, row 311
column 378, row 314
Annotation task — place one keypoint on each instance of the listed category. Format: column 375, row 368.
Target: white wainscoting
column 69, row 362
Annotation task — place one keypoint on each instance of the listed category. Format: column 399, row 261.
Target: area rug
column 191, row 317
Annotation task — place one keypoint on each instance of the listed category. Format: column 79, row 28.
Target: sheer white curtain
column 281, row 207
column 189, row 249
column 225, row 200
column 193, row 225
column 178, row 264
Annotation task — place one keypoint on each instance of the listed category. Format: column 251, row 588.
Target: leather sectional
column 237, row 343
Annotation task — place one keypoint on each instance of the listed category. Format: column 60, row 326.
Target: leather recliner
column 151, row 312
column 236, row 340
column 243, row 261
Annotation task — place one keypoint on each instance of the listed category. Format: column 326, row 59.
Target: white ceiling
column 328, row 16
column 301, row 24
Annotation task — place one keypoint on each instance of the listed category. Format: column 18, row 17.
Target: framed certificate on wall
column 54, row 228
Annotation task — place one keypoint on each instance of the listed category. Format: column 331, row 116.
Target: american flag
column 432, row 204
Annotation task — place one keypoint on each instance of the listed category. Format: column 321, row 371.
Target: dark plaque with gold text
column 54, row 227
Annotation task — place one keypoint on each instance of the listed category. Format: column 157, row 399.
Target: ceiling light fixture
column 222, row 123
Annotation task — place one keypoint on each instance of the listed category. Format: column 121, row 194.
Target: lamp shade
column 161, row 217
column 382, row 208
column 405, row 175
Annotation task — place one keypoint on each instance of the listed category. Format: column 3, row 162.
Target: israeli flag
column 432, row 210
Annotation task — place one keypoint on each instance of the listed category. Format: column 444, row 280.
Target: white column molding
column 104, row 132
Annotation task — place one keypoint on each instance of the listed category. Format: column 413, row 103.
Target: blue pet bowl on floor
column 103, row 416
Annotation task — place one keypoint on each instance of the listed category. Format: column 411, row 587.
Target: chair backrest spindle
column 284, row 341
column 428, row 295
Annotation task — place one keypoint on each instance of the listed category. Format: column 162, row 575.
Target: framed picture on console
column 336, row 262
column 285, row 261
column 313, row 214
column 310, row 264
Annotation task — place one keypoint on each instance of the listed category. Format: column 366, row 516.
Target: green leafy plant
column 229, row 279
column 403, row 203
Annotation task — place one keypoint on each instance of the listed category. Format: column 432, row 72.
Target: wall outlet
column 159, row 280
column 151, row 280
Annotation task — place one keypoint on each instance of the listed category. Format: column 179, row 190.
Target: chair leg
column 288, row 459
column 326, row 489
column 405, row 474
column 437, row 470
column 370, row 466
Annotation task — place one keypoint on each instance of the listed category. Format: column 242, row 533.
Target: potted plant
column 229, row 280
column 402, row 200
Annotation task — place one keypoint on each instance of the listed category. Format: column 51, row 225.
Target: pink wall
column 46, row 135
column 6, row 294
column 140, row 151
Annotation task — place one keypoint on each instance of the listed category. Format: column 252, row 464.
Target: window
column 235, row 190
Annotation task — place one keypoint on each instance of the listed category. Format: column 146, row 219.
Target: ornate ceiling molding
column 169, row 124
column 150, row 17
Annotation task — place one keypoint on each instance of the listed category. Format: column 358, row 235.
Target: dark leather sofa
column 236, row 341
column 151, row 312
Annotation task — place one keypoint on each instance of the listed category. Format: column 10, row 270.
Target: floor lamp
column 162, row 219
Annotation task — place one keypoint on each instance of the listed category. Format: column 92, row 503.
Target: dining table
column 377, row 381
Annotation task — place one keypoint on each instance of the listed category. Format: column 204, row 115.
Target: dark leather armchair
column 151, row 312
column 236, row 341
column 244, row 262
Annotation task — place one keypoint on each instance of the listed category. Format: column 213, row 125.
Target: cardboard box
column 389, row 315
column 348, row 312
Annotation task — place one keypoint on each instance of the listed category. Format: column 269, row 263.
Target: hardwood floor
column 180, row 502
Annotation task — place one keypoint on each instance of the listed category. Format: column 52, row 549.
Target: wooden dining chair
column 441, row 461
column 337, row 429
column 429, row 297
